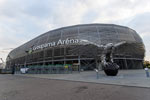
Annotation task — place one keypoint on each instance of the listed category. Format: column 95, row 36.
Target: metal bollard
column 147, row 72
column 97, row 74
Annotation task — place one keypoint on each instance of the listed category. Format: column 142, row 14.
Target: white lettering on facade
column 60, row 42
column 52, row 44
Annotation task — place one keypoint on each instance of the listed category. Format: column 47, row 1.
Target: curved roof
column 97, row 33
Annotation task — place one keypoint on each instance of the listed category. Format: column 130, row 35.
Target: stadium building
column 63, row 46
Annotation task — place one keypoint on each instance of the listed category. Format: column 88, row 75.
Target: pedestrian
column 147, row 72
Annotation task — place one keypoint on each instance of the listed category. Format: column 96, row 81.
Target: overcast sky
column 22, row 20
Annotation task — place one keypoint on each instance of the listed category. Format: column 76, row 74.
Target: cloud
column 117, row 10
column 141, row 23
column 22, row 20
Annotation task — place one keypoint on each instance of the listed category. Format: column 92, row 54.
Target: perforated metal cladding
column 97, row 33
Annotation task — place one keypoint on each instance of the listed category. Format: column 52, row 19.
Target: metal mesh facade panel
column 98, row 33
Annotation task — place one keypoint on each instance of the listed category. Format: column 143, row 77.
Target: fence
column 49, row 69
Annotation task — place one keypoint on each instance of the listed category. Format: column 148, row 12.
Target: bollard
column 97, row 75
column 147, row 72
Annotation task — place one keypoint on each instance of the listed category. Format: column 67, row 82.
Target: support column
column 64, row 55
column 53, row 56
column 125, row 62
column 43, row 57
column 96, row 64
column 79, row 62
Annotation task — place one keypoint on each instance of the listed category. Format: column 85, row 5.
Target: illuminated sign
column 59, row 42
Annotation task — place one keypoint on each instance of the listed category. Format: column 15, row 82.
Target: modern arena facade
column 57, row 47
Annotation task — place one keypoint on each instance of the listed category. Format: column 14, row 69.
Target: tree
column 146, row 64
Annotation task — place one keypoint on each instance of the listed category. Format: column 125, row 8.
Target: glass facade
column 61, row 46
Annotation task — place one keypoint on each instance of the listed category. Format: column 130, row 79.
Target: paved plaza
column 15, row 87
column 125, row 77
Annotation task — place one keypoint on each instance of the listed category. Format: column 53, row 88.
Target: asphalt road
column 25, row 88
